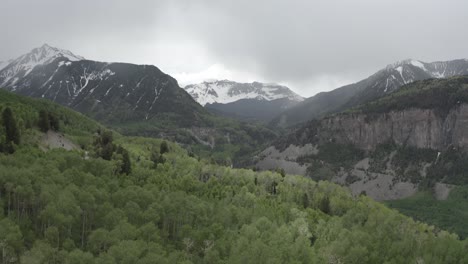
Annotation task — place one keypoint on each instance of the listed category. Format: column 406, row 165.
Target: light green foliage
column 66, row 207
column 27, row 114
column 63, row 208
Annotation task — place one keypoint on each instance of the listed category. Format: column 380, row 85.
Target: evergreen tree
column 44, row 122
column 104, row 145
column 54, row 122
column 324, row 205
column 11, row 128
column 164, row 148
column 126, row 163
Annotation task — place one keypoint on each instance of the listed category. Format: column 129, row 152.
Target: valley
column 116, row 163
column 120, row 199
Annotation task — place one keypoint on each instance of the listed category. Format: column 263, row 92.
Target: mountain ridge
column 226, row 91
column 135, row 100
column 389, row 148
column 381, row 83
column 245, row 101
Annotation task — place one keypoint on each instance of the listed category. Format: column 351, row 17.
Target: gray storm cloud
column 309, row 45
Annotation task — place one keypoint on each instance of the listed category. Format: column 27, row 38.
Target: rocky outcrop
column 413, row 127
column 421, row 128
column 271, row 158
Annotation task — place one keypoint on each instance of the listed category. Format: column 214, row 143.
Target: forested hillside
column 117, row 199
column 135, row 100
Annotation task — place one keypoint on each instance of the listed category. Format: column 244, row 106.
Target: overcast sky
column 311, row 46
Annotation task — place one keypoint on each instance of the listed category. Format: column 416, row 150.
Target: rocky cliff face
column 415, row 137
column 421, row 128
column 418, row 128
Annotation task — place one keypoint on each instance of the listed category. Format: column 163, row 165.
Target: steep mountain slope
column 110, row 92
column 23, row 65
column 255, row 100
column 379, row 84
column 3, row 64
column 134, row 99
column 76, row 206
column 412, row 138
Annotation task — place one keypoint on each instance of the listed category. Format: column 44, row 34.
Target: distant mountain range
column 258, row 101
column 133, row 99
column 383, row 82
column 110, row 92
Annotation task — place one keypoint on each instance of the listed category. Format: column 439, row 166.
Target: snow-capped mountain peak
column 410, row 70
column 3, row 64
column 24, row 64
column 43, row 55
column 225, row 91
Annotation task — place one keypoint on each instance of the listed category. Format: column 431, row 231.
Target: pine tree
column 44, row 122
column 324, row 205
column 11, row 128
column 164, row 148
column 126, row 165
column 54, row 122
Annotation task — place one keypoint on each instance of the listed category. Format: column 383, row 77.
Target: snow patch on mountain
column 225, row 91
column 3, row 64
column 24, row 64
column 407, row 71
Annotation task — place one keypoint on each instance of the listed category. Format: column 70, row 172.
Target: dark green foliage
column 12, row 133
column 54, row 122
column 330, row 158
column 450, row 214
column 126, row 166
column 48, row 120
column 44, row 122
column 409, row 160
column 339, row 154
column 407, row 154
column 324, row 205
column 451, row 167
column 380, row 156
column 163, row 148
column 104, row 146
column 438, row 94
column 63, row 207
column 448, row 166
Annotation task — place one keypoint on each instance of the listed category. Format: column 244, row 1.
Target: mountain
column 226, row 91
column 22, row 66
column 410, row 145
column 133, row 99
column 78, row 205
column 3, row 64
column 110, row 92
column 400, row 142
column 385, row 81
column 259, row 101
